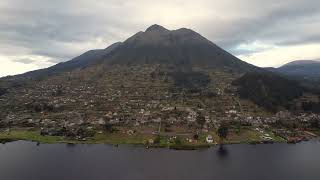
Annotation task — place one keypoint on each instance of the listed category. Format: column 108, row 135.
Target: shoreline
column 172, row 147
column 116, row 140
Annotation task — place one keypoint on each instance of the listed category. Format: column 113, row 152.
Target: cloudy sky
column 39, row 33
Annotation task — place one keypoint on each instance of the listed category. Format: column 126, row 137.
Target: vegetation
column 190, row 80
column 196, row 136
column 108, row 127
column 201, row 120
column 3, row 91
column 157, row 140
column 178, row 141
column 268, row 90
column 315, row 123
column 30, row 135
column 189, row 147
column 311, row 106
column 223, row 131
column 228, row 134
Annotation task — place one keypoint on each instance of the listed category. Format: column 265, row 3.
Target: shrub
column 157, row 140
column 178, row 141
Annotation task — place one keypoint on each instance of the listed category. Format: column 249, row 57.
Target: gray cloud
column 61, row 30
column 269, row 21
column 54, row 28
column 24, row 60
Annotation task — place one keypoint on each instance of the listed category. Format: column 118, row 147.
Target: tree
column 3, row 91
column 196, row 136
column 314, row 123
column 157, row 140
column 58, row 91
column 223, row 131
column 177, row 141
column 201, row 120
column 108, row 127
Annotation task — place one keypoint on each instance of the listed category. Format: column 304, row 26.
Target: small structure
column 150, row 141
column 209, row 139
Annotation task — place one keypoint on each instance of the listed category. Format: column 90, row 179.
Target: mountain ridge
column 300, row 69
column 86, row 59
column 181, row 46
column 154, row 45
column 301, row 62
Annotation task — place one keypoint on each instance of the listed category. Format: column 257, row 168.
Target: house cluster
column 129, row 96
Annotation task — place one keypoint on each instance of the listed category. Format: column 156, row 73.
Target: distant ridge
column 300, row 68
column 301, row 62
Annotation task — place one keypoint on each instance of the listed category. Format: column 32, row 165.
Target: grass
column 276, row 139
column 30, row 135
column 104, row 138
column 183, row 145
column 189, row 147
column 118, row 138
column 244, row 136
column 316, row 131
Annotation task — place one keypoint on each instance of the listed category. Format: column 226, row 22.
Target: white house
column 209, row 139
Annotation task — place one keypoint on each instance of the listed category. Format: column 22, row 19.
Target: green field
column 244, row 136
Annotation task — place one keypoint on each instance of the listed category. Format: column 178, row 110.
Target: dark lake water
column 27, row 161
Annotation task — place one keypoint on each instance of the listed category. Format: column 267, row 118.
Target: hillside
column 84, row 60
column 306, row 72
column 302, row 68
column 268, row 90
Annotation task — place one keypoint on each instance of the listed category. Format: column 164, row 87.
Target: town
column 143, row 105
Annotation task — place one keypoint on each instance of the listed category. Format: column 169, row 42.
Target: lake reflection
column 25, row 160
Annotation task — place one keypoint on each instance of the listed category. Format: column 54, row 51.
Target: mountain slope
column 301, row 68
column 179, row 47
column 157, row 45
column 306, row 72
column 268, row 90
column 84, row 60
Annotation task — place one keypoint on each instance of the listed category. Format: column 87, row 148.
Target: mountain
column 86, row 59
column 301, row 68
column 167, row 67
column 306, row 72
column 301, row 62
column 157, row 45
column 180, row 47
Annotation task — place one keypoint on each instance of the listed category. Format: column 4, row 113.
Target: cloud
column 11, row 65
column 278, row 56
column 250, row 48
column 24, row 60
column 61, row 29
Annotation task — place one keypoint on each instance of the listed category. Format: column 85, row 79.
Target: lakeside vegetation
column 243, row 136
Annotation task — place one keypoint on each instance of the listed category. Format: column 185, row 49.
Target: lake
column 23, row 160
